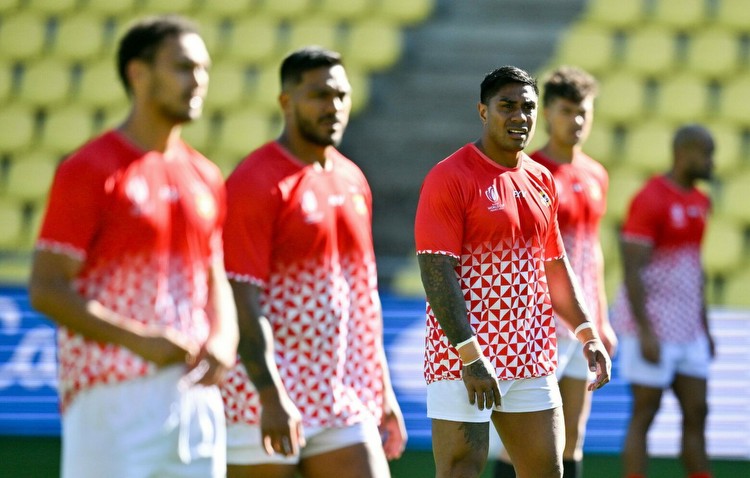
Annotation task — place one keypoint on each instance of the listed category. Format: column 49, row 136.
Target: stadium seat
column 109, row 7
column 214, row 31
column 722, row 246
column 713, row 53
column 648, row 147
column 728, row 155
column 680, row 14
column 733, row 14
column 51, row 7
column 360, row 82
column 622, row 97
column 346, row 10
column 100, row 85
column 79, row 37
column 252, row 39
column 312, row 31
column 601, row 143
column 650, row 51
column 372, row 45
column 8, row 5
column 288, row 9
column 734, row 98
column 22, row 36
column 404, row 12
column 29, row 178
column 591, row 47
column 46, row 82
column 225, row 8
column 228, row 86
column 166, row 6
column 733, row 203
column 736, row 290
column 624, row 182
column 241, row 132
column 6, row 79
column 682, row 98
column 66, row 128
column 614, row 13
column 266, row 89
column 17, row 127
column 11, row 217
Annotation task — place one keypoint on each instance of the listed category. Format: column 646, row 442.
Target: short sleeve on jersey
column 644, row 218
column 74, row 206
column 438, row 228
column 248, row 230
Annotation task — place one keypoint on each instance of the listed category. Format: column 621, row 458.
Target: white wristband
column 461, row 344
column 471, row 362
column 583, row 326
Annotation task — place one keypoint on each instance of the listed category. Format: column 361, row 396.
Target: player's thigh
column 576, row 407
column 691, row 393
column 534, row 440
column 362, row 460
column 266, row 470
column 459, row 448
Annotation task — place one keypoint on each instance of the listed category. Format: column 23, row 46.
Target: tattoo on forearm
column 444, row 294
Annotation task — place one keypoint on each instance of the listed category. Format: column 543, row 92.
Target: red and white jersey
column 582, row 190
column 671, row 220
column 501, row 225
column 303, row 233
column 147, row 226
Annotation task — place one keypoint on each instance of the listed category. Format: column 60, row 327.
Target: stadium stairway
column 425, row 108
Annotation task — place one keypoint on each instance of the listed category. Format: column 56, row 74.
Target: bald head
column 691, row 136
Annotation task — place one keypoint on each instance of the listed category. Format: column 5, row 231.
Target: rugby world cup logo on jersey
column 491, row 194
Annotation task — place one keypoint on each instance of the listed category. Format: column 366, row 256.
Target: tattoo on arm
column 444, row 293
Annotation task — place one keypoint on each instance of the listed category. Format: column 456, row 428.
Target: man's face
column 568, row 122
column 699, row 157
column 178, row 78
column 319, row 105
column 510, row 116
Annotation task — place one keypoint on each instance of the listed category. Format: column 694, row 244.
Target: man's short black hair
column 502, row 76
column 305, row 59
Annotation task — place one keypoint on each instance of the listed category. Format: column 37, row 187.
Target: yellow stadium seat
column 22, row 35
column 734, row 98
column 11, row 217
column 66, row 128
column 587, row 46
column 404, row 12
column 736, row 290
column 372, row 45
column 213, row 30
column 648, row 147
column 680, row 14
column 266, row 89
column 166, row 6
column 602, row 142
column 17, row 127
column 226, row 8
column 288, row 9
column 252, row 39
column 682, row 99
column 228, row 86
column 345, row 9
column 728, row 148
column 109, row 7
column 46, row 82
column 733, row 14
column 714, row 52
column 29, row 179
column 722, row 246
column 621, row 97
column 6, row 80
column 53, row 7
column 733, row 202
column 614, row 13
column 313, row 31
column 242, row 131
column 624, row 182
column 79, row 37
column 9, row 5
column 360, row 82
column 100, row 85
column 650, row 51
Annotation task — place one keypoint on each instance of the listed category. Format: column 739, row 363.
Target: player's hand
column 393, row 429
column 211, row 363
column 280, row 424
column 650, row 347
column 481, row 384
column 599, row 362
column 163, row 346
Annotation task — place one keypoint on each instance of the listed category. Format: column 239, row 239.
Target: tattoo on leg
column 476, row 436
